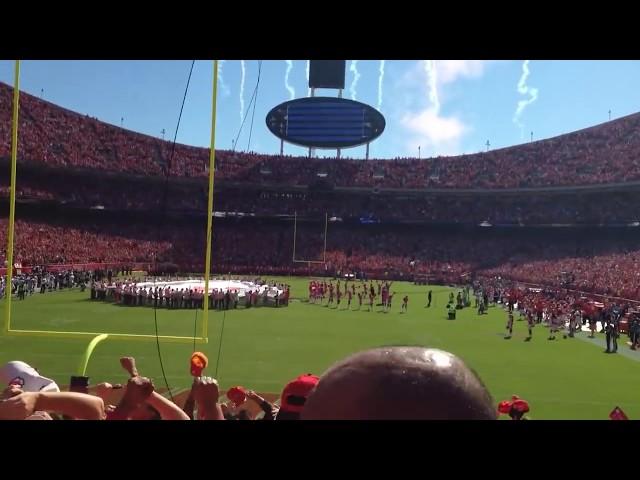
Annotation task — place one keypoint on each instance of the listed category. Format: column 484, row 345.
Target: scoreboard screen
column 325, row 122
column 327, row 73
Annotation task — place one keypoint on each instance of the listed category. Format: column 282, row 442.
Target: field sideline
column 263, row 348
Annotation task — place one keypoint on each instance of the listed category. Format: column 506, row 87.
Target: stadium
column 542, row 234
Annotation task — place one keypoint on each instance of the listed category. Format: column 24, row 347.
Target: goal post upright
column 97, row 336
column 12, row 197
column 212, row 162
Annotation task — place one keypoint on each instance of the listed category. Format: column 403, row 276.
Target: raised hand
column 206, row 393
column 129, row 364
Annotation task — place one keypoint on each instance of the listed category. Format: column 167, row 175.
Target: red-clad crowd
column 589, row 261
column 41, row 243
column 616, row 274
column 602, row 154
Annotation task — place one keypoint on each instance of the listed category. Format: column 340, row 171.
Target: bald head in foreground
column 400, row 383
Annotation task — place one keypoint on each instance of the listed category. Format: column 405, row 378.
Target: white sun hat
column 26, row 377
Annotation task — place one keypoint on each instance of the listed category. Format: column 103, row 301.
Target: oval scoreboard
column 325, row 122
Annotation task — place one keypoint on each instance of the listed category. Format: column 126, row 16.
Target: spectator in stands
column 400, row 383
column 294, row 396
column 57, row 137
column 140, row 401
column 25, row 377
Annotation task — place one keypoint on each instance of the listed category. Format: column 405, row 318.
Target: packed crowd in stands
column 602, row 154
column 156, row 198
column 102, row 195
column 615, row 274
column 539, row 209
column 40, row 243
column 598, row 262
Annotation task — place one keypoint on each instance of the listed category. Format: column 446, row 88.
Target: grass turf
column 263, row 348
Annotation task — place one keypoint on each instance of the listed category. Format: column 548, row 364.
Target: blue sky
column 443, row 106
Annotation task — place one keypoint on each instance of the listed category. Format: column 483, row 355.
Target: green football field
column 263, row 348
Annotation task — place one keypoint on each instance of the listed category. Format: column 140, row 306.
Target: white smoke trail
column 524, row 89
column 380, row 79
column 292, row 92
column 307, row 70
column 243, row 70
column 432, row 80
column 356, row 76
column 223, row 86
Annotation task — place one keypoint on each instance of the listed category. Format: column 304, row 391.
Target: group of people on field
column 563, row 312
column 165, row 296
column 365, row 293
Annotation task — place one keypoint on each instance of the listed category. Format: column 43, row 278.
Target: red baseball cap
column 237, row 395
column 296, row 392
column 521, row 406
column 504, row 407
